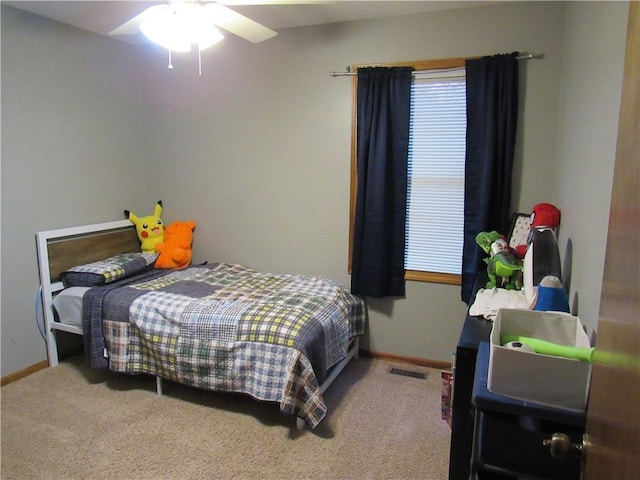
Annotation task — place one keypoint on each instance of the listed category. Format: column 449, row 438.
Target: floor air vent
column 407, row 373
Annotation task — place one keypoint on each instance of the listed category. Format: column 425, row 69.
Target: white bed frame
column 61, row 249
column 51, row 265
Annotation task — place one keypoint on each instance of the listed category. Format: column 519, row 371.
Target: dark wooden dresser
column 504, row 448
column 474, row 331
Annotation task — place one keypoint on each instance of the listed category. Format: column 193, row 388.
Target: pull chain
column 170, row 66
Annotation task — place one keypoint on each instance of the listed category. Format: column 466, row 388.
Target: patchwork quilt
column 229, row 328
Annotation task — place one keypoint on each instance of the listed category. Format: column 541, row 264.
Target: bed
column 215, row 326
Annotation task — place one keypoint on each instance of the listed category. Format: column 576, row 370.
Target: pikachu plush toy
column 150, row 229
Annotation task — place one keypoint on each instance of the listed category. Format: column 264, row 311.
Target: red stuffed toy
column 545, row 215
column 175, row 251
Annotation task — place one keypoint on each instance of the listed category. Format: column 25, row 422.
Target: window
column 435, row 204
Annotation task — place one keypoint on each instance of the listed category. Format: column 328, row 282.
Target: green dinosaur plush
column 503, row 267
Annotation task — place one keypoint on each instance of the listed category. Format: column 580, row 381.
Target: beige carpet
column 71, row 422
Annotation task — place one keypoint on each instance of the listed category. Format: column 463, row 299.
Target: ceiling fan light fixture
column 177, row 26
column 208, row 37
column 163, row 37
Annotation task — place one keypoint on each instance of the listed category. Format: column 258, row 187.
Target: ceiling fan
column 178, row 24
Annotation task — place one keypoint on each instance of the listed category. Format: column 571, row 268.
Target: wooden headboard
column 59, row 250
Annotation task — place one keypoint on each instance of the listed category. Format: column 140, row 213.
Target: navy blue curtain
column 383, row 106
column 492, row 111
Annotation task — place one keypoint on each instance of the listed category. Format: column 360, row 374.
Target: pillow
column 108, row 270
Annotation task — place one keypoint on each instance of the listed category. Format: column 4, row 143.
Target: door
column 613, row 417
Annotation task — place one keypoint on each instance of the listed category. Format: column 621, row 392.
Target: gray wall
column 72, row 153
column 256, row 150
column 594, row 48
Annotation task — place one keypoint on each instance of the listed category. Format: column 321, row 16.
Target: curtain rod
column 529, row 56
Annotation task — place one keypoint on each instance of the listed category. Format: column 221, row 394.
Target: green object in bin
column 549, row 348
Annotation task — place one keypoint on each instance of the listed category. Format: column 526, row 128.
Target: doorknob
column 561, row 447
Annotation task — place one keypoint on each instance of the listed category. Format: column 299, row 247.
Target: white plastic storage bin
column 549, row 380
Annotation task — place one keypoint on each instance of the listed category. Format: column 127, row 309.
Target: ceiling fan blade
column 274, row 2
column 238, row 24
column 132, row 26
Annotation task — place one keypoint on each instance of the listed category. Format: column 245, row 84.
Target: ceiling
column 103, row 16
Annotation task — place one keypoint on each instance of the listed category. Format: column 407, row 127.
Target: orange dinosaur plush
column 175, row 251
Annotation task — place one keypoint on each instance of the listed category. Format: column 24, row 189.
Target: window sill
column 431, row 277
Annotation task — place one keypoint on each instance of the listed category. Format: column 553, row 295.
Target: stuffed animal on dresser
column 175, row 251
column 504, row 269
column 150, row 229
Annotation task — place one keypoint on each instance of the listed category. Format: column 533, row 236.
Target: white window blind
column 435, row 205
